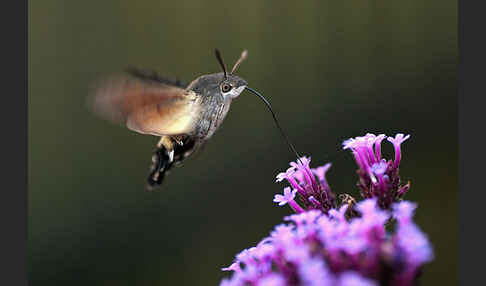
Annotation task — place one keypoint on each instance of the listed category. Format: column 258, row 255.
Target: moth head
column 223, row 83
column 231, row 85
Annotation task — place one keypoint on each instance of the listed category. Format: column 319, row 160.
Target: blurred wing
column 147, row 106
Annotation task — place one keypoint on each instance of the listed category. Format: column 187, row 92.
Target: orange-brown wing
column 147, row 107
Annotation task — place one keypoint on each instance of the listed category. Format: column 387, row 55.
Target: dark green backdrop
column 332, row 70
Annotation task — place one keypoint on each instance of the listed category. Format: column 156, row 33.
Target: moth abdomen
column 161, row 163
column 171, row 151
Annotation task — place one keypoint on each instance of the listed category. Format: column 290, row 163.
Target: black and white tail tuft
column 161, row 163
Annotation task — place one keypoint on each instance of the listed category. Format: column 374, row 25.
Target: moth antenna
column 220, row 60
column 276, row 120
column 238, row 62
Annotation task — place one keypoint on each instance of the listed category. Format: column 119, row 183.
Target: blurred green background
column 332, row 70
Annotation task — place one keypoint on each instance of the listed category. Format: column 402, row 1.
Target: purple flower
column 229, row 282
column 397, row 141
column 244, row 257
column 320, row 172
column 272, row 280
column 327, row 249
column 403, row 211
column 350, row 278
column 339, row 214
column 314, row 193
column 379, row 168
column 290, row 175
column 233, row 267
column 378, row 140
column 288, row 197
column 409, row 238
column 281, row 176
column 314, row 272
column 378, row 177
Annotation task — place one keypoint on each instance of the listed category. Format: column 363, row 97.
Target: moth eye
column 226, row 87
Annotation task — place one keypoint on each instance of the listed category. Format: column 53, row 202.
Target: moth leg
column 168, row 143
column 179, row 140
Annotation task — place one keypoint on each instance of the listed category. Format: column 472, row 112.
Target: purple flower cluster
column 324, row 244
column 319, row 249
column 377, row 177
column 310, row 184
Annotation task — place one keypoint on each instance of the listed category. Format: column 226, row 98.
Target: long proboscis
column 275, row 119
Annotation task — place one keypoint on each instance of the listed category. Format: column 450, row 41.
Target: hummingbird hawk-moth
column 183, row 116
